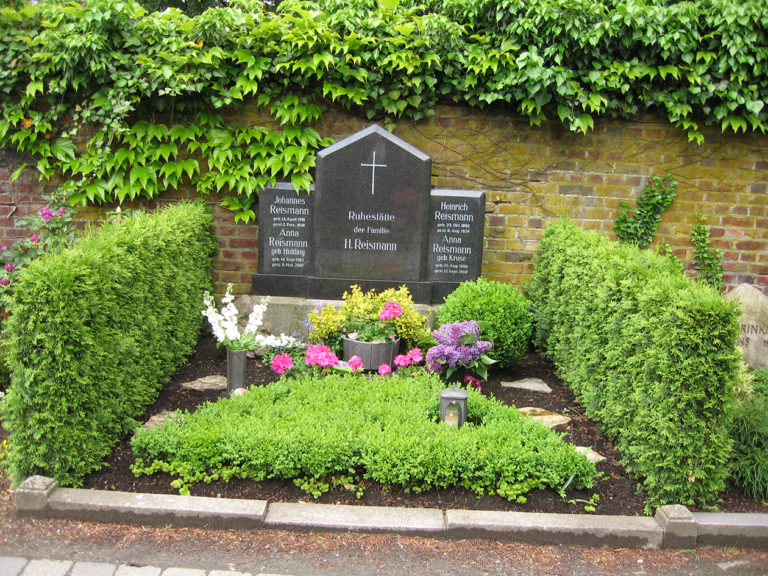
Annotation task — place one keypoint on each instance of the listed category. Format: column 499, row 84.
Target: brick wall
column 532, row 176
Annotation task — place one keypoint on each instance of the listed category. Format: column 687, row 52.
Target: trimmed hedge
column 382, row 429
column 95, row 331
column 650, row 354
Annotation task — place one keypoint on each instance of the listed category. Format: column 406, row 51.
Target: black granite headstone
column 455, row 235
column 371, row 202
column 285, row 231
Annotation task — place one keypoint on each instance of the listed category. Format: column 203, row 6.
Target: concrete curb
column 672, row 527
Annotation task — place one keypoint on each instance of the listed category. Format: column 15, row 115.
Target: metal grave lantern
column 453, row 406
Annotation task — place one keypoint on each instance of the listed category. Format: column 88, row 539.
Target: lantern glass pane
column 452, row 414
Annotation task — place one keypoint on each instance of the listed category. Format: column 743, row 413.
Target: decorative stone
column 590, row 454
column 213, row 383
column 530, row 384
column 753, row 323
column 158, row 419
column 238, row 391
column 550, row 419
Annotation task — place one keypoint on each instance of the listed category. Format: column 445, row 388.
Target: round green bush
column 505, row 312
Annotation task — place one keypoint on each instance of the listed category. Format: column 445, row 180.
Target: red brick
column 251, row 243
column 752, row 245
column 730, row 221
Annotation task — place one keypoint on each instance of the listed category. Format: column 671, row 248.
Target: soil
column 617, row 493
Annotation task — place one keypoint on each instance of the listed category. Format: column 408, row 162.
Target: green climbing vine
column 707, row 262
column 125, row 103
column 639, row 227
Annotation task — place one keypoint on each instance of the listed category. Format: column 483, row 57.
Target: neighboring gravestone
column 371, row 220
column 456, row 222
column 285, row 231
column 753, row 323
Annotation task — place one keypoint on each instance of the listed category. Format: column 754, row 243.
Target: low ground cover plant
column 501, row 309
column 315, row 429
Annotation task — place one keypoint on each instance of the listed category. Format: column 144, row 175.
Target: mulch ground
column 618, row 494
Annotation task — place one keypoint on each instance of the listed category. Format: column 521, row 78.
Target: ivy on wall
column 122, row 103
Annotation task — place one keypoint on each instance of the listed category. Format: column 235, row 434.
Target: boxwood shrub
column 505, row 312
column 385, row 430
column 95, row 331
column 650, row 354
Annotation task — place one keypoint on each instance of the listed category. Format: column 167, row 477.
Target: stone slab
column 550, row 419
column 47, row 568
column 93, row 569
column 185, row 572
column 731, row 529
column 125, row 570
column 157, row 419
column 284, row 515
column 591, row 455
column 12, row 565
column 214, row 382
column 531, row 384
column 156, row 509
column 568, row 529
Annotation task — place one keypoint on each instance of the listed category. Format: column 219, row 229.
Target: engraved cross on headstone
column 373, row 167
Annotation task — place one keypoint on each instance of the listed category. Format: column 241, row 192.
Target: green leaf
column 64, row 149
column 301, row 181
column 16, row 173
column 34, row 87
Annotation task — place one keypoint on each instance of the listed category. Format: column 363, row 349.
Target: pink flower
column 281, row 363
column 356, row 363
column 46, row 213
column 321, row 355
column 2, row 248
column 402, row 360
column 385, row 369
column 391, row 310
column 472, row 381
column 10, row 267
column 415, row 355
column 4, row 281
column 61, row 211
column 35, row 239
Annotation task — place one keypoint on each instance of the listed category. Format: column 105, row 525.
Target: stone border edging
column 672, row 527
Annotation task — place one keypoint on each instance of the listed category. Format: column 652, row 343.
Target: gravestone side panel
column 455, row 250
column 753, row 324
column 285, row 231
column 371, row 208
